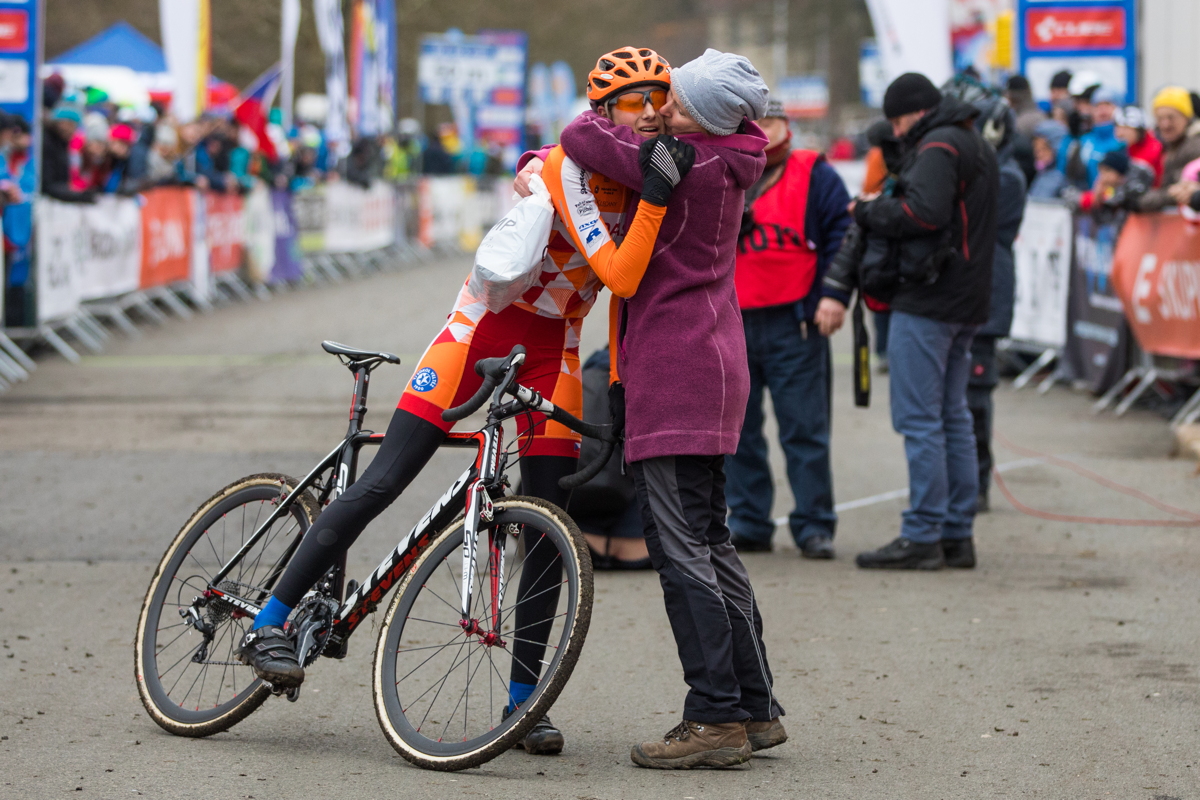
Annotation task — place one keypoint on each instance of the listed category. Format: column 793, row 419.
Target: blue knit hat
column 719, row 90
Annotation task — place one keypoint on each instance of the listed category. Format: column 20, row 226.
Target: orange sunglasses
column 633, row 102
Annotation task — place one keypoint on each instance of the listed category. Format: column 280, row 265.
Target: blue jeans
column 930, row 363
column 794, row 365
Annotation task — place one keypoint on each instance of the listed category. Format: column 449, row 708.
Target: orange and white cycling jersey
column 592, row 243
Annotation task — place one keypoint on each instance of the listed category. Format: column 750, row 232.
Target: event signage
column 804, row 96
column 1098, row 337
column 20, row 56
column 1095, row 35
column 86, row 251
column 1042, row 257
column 1156, row 271
column 482, row 78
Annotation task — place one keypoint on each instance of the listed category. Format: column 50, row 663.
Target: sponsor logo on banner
column 14, row 31
column 166, row 236
column 225, row 231
column 1075, row 29
column 1156, row 272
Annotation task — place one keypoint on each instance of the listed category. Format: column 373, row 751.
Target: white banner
column 185, row 38
column 1042, row 254
column 331, row 33
column 913, row 36
column 86, row 252
column 289, row 29
column 259, row 233
column 358, row 220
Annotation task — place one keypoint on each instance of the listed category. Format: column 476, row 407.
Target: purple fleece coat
column 682, row 351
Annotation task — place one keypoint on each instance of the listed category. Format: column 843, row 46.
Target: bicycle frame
column 472, row 491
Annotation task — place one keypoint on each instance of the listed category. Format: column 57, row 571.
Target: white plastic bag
column 509, row 260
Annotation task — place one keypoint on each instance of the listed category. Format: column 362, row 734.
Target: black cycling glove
column 665, row 161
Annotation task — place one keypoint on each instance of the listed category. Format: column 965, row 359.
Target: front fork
column 480, row 512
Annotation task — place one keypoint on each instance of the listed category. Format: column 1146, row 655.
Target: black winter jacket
column 56, row 169
column 948, row 181
column 1010, row 210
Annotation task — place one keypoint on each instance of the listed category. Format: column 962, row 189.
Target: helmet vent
column 600, row 83
column 605, row 64
column 623, row 54
column 621, row 72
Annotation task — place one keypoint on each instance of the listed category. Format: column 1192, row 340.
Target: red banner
column 224, row 230
column 166, row 237
column 1156, row 272
column 1075, row 29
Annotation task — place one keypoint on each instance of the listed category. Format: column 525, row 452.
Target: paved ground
column 1066, row 666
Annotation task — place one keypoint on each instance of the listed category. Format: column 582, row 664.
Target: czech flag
column 250, row 109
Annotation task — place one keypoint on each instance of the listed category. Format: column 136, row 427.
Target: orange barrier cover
column 224, row 229
column 1156, row 272
column 166, row 236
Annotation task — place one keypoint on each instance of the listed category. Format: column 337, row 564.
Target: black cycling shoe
column 543, row 740
column 744, row 545
column 272, row 655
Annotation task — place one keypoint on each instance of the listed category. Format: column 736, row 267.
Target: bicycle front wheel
column 189, row 680
column 441, row 683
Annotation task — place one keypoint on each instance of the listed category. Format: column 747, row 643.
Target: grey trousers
column 709, row 599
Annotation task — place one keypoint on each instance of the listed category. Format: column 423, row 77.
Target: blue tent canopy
column 119, row 46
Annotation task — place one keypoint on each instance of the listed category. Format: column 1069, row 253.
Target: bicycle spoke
column 426, row 661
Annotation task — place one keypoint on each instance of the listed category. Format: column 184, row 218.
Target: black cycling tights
column 407, row 447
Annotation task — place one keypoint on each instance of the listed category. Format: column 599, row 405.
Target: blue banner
column 1099, row 36
column 288, row 267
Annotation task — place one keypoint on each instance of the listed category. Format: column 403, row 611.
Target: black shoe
column 744, row 545
column 818, row 546
column 959, row 553
column 600, row 561
column 982, row 504
column 903, row 553
column 543, row 740
column 272, row 655
column 631, row 565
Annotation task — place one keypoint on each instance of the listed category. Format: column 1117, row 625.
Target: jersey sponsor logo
column 425, row 379
column 592, row 236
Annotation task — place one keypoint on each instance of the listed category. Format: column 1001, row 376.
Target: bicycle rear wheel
column 190, row 682
column 440, row 688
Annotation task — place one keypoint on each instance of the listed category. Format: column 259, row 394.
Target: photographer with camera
column 930, row 247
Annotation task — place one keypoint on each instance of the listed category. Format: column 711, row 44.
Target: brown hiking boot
column 763, row 735
column 695, row 744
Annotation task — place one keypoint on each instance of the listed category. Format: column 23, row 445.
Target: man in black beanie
column 940, row 227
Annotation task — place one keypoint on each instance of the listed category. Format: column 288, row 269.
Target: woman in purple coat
column 682, row 360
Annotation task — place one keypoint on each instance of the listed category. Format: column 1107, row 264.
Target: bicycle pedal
column 293, row 694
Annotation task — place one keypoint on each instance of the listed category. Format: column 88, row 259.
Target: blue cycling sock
column 273, row 613
column 518, row 693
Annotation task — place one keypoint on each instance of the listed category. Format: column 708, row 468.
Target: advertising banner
column 224, row 231
column 167, row 226
column 913, row 36
column 1096, row 35
column 288, row 266
column 1042, row 254
column 259, row 227
column 331, row 33
column 308, row 207
column 1097, row 344
column 358, row 220
column 86, row 252
column 1156, row 271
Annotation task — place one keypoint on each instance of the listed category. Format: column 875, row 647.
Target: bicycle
column 443, row 623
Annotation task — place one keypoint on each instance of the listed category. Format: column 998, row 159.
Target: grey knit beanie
column 719, row 89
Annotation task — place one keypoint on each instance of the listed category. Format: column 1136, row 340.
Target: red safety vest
column 776, row 263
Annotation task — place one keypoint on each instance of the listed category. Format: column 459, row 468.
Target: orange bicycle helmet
column 625, row 67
